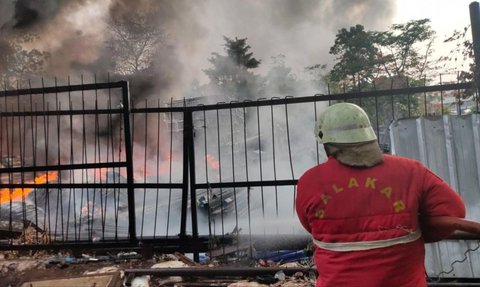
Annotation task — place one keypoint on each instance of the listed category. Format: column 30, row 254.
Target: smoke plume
column 84, row 37
column 75, row 32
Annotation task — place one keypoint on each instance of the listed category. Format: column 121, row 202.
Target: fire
column 16, row 194
column 101, row 173
column 164, row 167
column 89, row 210
column 142, row 173
column 152, row 168
column 212, row 161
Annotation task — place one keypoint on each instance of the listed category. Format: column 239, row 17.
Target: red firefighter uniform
column 365, row 221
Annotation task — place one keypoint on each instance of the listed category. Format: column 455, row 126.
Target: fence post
column 187, row 141
column 193, row 190
column 189, row 177
column 191, row 166
column 132, row 230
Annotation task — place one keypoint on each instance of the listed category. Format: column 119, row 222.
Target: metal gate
column 82, row 168
column 66, row 166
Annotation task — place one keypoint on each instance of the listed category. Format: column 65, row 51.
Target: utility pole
column 475, row 24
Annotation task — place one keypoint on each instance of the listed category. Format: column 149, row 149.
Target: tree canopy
column 407, row 48
column 403, row 52
column 134, row 40
column 17, row 63
column 231, row 73
column 356, row 54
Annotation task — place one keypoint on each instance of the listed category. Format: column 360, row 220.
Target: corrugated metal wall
column 450, row 146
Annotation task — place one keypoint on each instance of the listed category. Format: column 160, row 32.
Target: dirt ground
column 20, row 267
column 16, row 269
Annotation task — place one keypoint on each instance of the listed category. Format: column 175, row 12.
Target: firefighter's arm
column 303, row 219
column 437, row 200
column 301, row 203
column 458, row 224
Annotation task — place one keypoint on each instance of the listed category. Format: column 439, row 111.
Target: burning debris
column 85, row 211
column 20, row 194
column 17, row 206
column 213, row 163
column 130, row 269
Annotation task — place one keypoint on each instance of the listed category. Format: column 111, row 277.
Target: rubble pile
column 131, row 270
column 233, row 265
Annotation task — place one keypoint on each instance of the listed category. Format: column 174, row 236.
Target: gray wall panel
column 449, row 146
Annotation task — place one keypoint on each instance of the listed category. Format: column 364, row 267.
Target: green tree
column 319, row 75
column 18, row 64
column 280, row 81
column 406, row 50
column 464, row 50
column 231, row 74
column 401, row 54
column 396, row 58
column 356, row 55
column 134, row 41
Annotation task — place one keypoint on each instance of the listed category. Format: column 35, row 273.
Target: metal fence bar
column 157, row 160
column 232, row 161
column 129, row 161
column 192, row 173
column 71, row 195
column 63, row 89
column 289, row 145
column 249, row 215
column 219, row 154
column 187, row 129
column 314, row 98
column 260, row 167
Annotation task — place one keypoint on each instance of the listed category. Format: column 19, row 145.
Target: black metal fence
column 80, row 168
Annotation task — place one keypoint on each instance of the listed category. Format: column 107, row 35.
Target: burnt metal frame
column 189, row 186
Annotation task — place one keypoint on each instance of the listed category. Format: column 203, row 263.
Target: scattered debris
column 10, row 229
column 174, row 270
column 185, row 259
column 103, row 270
column 217, row 201
column 97, row 281
column 247, row 284
column 283, row 256
column 141, row 281
column 19, row 266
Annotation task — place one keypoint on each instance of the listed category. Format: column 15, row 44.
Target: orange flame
column 212, row 161
column 164, row 167
column 101, row 173
column 142, row 173
column 88, row 209
column 16, row 194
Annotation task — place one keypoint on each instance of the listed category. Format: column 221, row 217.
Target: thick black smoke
column 29, row 13
column 301, row 30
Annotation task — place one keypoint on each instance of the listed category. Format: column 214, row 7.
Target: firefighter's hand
column 440, row 227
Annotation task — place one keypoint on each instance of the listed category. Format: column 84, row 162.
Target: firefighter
column 364, row 209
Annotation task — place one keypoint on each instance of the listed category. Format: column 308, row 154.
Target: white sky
column 304, row 38
column 446, row 16
column 314, row 38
